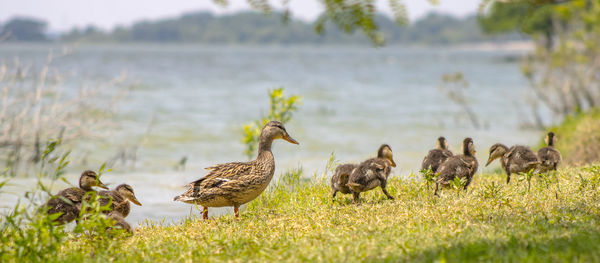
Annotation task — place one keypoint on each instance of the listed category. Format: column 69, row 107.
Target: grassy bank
column 579, row 138
column 558, row 219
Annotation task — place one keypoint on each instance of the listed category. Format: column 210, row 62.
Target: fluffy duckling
column 436, row 156
column 340, row 178
column 120, row 197
column 68, row 201
column 549, row 156
column 372, row 173
column 237, row 183
column 120, row 222
column 517, row 159
column 461, row 166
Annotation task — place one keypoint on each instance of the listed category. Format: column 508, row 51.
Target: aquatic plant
column 36, row 107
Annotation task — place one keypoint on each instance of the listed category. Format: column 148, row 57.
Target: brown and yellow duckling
column 549, row 156
column 120, row 196
column 237, row 183
column 340, row 178
column 437, row 156
column 372, row 173
column 462, row 166
column 68, row 201
column 517, row 159
column 120, row 222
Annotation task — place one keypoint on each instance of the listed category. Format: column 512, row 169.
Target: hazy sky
column 65, row 14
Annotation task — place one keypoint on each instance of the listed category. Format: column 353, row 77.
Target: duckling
column 372, row 173
column 68, row 201
column 549, row 156
column 461, row 166
column 517, row 159
column 436, row 156
column 237, row 183
column 120, row 196
column 340, row 178
column 120, row 222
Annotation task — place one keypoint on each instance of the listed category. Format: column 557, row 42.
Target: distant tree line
column 23, row 29
column 257, row 28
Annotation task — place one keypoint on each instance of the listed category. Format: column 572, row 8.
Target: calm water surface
column 193, row 100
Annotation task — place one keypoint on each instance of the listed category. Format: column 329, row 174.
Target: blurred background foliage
column 281, row 108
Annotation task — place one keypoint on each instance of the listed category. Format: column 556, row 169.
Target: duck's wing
column 73, row 194
column 447, row 153
column 447, row 170
column 342, row 173
column 106, row 196
column 435, row 158
column 429, row 160
column 222, row 173
column 222, row 178
column 549, row 156
column 521, row 159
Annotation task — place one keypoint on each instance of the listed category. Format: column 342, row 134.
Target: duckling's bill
column 135, row 201
column 490, row 160
column 102, row 185
column 393, row 163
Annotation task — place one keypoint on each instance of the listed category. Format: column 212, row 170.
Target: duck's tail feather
column 184, row 198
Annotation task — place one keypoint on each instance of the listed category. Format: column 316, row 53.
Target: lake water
column 197, row 99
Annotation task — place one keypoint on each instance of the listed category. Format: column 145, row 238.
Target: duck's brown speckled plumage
column 549, row 156
column 517, row 159
column 120, row 222
column 232, row 184
column 372, row 173
column 340, row 178
column 436, row 156
column 461, row 166
column 236, row 183
column 120, row 197
column 68, row 201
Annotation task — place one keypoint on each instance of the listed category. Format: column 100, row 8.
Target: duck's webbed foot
column 508, row 179
column 205, row 213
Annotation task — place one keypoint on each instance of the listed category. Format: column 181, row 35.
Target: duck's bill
column 101, row 185
column 393, row 163
column 135, row 201
column 290, row 139
column 490, row 160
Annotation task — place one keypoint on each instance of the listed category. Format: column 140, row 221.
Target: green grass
column 578, row 138
column 296, row 220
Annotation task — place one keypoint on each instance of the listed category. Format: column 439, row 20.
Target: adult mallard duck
column 237, row 183
column 436, row 156
column 462, row 166
column 68, row 201
column 517, row 159
column 549, row 156
column 120, row 197
column 372, row 173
